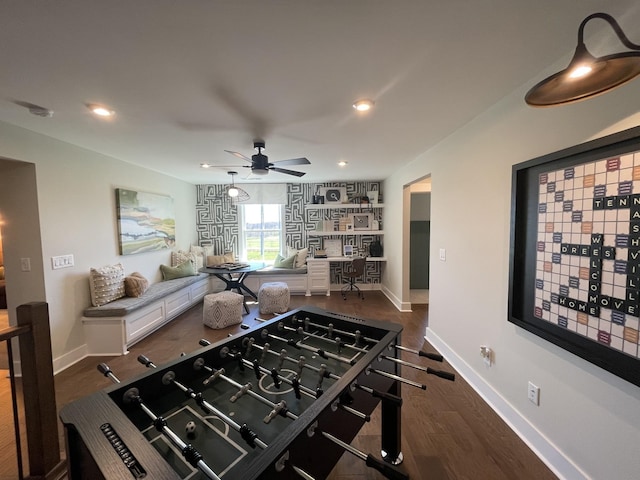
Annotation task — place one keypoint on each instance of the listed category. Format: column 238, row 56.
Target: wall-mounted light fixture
column 586, row 75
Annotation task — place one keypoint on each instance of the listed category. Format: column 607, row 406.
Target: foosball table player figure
column 281, row 400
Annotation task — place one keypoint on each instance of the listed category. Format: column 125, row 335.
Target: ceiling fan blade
column 294, row 161
column 288, row 172
column 239, row 155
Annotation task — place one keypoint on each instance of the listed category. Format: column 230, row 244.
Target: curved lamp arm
column 614, row 25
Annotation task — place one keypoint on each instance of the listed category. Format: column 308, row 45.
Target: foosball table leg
column 391, row 428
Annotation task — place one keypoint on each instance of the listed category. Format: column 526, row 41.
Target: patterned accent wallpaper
column 217, row 221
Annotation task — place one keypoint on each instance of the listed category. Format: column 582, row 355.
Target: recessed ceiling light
column 205, row 165
column 343, row 163
column 100, row 110
column 363, row 105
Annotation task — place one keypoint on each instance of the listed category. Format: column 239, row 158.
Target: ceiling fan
column 260, row 164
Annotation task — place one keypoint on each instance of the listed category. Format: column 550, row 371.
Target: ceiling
column 193, row 78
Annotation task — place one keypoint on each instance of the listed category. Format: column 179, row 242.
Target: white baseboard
column 557, row 462
column 69, row 358
column 400, row 305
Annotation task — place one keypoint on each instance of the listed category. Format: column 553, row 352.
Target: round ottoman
column 222, row 309
column 273, row 297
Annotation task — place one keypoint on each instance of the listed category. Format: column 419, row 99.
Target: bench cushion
column 125, row 305
column 271, row 270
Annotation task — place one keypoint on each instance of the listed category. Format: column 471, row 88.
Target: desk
column 234, row 279
column 319, row 273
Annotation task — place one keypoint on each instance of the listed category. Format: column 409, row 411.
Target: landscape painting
column 146, row 221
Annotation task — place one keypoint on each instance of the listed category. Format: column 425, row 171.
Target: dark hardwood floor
column 448, row 432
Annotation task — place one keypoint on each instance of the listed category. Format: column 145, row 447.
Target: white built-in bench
column 295, row 278
column 111, row 328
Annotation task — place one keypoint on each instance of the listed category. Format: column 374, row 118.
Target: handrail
column 11, row 332
column 40, row 411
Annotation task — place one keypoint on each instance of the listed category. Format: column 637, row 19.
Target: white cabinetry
column 318, row 272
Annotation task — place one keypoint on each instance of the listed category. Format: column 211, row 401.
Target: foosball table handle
column 432, row 356
column 441, row 374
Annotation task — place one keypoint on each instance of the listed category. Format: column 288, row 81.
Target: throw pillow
column 135, row 284
column 106, row 284
column 185, row 269
column 301, row 256
column 282, row 262
column 178, row 257
column 214, row 260
column 201, row 254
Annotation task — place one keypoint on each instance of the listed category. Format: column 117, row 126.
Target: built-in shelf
column 329, row 206
column 341, row 233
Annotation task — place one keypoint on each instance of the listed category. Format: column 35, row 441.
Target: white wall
column 75, row 209
column 588, row 421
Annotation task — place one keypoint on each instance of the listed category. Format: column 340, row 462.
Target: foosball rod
column 349, row 361
column 246, row 363
column 357, row 335
column 302, row 388
column 378, row 394
column 386, row 469
column 433, row 356
column 430, row 371
column 199, row 364
column 245, row 432
column 190, row 453
column 283, row 356
column 396, row 377
column 335, row 341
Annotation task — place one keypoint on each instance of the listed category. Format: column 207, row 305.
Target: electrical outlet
column 533, row 393
column 25, row 264
column 487, row 354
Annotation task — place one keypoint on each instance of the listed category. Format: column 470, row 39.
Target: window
column 261, row 232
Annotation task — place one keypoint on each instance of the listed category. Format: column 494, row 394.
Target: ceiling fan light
column 259, row 171
column 363, row 105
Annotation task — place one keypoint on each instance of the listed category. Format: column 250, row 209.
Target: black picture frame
column 524, row 246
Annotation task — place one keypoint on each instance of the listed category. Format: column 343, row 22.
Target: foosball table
column 281, row 400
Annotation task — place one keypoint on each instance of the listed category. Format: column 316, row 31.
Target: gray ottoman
column 221, row 310
column 273, row 297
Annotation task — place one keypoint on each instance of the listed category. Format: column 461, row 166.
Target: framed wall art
column 574, row 276
column 361, row 221
column 146, row 221
column 333, row 247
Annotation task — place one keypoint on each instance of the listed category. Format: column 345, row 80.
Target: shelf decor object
column 361, row 221
column 333, row 247
column 574, row 266
column 333, row 195
column 588, row 76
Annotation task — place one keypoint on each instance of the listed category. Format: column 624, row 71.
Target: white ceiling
column 189, row 79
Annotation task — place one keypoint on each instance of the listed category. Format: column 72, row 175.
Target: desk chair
column 357, row 270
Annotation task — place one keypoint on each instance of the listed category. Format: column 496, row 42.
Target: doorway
column 419, row 240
